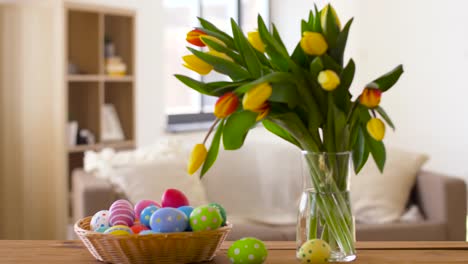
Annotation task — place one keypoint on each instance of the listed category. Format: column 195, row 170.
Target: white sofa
column 260, row 185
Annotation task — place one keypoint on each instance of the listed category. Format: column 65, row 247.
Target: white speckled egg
column 167, row 220
column 100, row 221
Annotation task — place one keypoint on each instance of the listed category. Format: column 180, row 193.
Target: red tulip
column 226, row 105
column 193, row 37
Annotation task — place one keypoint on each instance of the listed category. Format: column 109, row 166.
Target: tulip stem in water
column 211, row 130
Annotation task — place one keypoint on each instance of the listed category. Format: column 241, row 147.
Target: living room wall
column 429, row 38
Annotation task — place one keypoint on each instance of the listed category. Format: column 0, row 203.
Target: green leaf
column 285, row 92
column 336, row 126
column 277, row 130
column 271, row 78
column 198, row 86
column 247, row 51
column 317, row 27
column 269, row 41
column 331, row 64
column 299, row 56
column 384, row 115
column 360, row 151
column 223, row 66
column 386, row 81
column 337, row 53
column 212, row 30
column 277, row 37
column 213, row 151
column 377, row 149
column 218, row 47
column 330, row 30
column 236, row 128
column 341, row 93
column 316, row 66
column 221, row 88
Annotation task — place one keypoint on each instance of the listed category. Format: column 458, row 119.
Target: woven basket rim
column 88, row 233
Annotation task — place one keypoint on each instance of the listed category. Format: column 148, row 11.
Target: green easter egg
column 221, row 210
column 205, row 218
column 247, row 250
column 314, row 251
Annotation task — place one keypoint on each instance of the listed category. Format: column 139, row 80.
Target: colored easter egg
column 101, row 229
column 121, row 213
column 142, row 205
column 174, row 198
column 247, row 250
column 187, row 210
column 137, row 228
column 168, row 220
column 119, row 230
column 314, row 251
column 100, row 220
column 147, row 232
column 221, row 210
column 205, row 218
column 146, row 215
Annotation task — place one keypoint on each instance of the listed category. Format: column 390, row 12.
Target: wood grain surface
column 52, row 252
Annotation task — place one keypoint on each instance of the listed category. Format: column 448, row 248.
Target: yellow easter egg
column 314, row 251
column 119, row 230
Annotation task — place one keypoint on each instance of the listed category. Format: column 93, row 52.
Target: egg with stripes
column 168, row 220
column 121, row 213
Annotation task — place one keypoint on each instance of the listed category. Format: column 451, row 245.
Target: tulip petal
column 196, row 64
column 197, row 158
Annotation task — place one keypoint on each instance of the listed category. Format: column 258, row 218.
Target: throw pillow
column 382, row 197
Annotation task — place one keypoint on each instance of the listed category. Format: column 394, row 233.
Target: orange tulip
column 193, row 37
column 197, row 158
column 370, row 97
column 262, row 111
column 226, row 105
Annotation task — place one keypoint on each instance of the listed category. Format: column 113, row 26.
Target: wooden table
column 70, row 252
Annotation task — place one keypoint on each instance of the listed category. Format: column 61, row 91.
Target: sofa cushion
column 382, row 197
column 399, row 231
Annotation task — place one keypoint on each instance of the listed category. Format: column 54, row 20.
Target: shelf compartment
column 83, row 41
column 120, row 94
column 117, row 145
column 84, row 102
column 120, row 30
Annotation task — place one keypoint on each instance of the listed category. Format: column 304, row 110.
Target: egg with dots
column 142, row 205
column 205, row 217
column 168, row 220
column 221, row 210
column 174, row 198
column 248, row 250
column 119, row 230
column 137, row 228
column 100, row 221
column 314, row 251
column 121, row 213
column 146, row 214
column 187, row 210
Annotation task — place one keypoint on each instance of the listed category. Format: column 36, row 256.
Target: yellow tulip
column 313, row 43
column 328, row 79
column 256, row 41
column 220, row 55
column 208, row 37
column 376, row 128
column 323, row 17
column 196, row 64
column 255, row 97
column 263, row 111
column 370, row 97
column 197, row 158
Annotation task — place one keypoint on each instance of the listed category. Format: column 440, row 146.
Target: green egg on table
column 205, row 218
column 247, row 250
column 221, row 210
column 314, row 251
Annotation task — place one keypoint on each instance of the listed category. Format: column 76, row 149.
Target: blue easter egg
column 168, row 220
column 146, row 214
column 147, row 232
column 187, row 210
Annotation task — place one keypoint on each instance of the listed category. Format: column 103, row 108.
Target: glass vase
column 325, row 209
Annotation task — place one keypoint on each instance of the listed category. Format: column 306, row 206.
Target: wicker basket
column 184, row 247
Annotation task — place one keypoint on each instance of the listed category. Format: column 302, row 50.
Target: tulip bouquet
column 302, row 97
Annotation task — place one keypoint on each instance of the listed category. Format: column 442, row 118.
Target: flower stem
column 211, row 130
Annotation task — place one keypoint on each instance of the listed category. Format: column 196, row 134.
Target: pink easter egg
column 142, row 205
column 174, row 198
column 121, row 213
